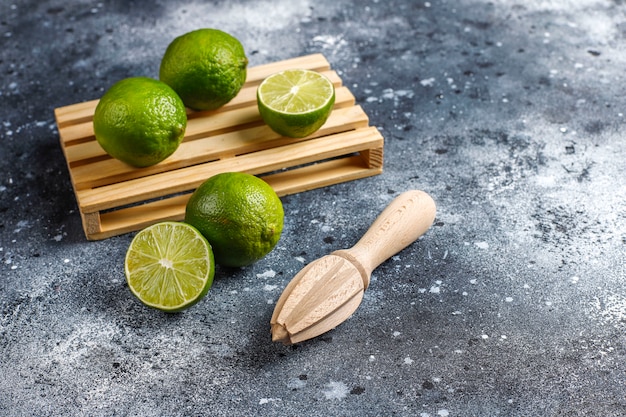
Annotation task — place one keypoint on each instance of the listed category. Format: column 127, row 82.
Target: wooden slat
column 307, row 178
column 211, row 148
column 85, row 147
column 188, row 178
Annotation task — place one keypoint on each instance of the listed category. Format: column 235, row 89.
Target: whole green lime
column 239, row 214
column 140, row 121
column 206, row 67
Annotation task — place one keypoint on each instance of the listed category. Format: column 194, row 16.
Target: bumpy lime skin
column 243, row 226
column 206, row 67
column 140, row 121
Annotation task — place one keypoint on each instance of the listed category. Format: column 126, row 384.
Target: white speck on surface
column 387, row 93
column 404, row 93
column 267, row 274
column 484, row 337
column 408, row 361
column 509, row 299
column 391, row 94
column 335, row 390
column 574, row 280
column 434, row 290
column 270, row 287
column 473, row 281
column 300, row 259
column 428, row 82
column 264, row 401
column 482, row 245
column 296, row 383
column 443, row 412
column 329, row 42
column 21, row 225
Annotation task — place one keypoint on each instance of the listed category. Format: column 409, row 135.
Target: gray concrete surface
column 509, row 113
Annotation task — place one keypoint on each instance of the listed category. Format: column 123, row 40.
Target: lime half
column 169, row 266
column 295, row 102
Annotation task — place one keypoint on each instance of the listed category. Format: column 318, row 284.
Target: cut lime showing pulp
column 169, row 266
column 295, row 102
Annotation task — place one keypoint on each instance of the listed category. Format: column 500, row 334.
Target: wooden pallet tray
column 115, row 198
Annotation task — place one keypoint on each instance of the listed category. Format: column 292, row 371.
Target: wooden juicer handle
column 401, row 223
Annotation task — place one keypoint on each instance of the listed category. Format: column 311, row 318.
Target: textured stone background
column 509, row 113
